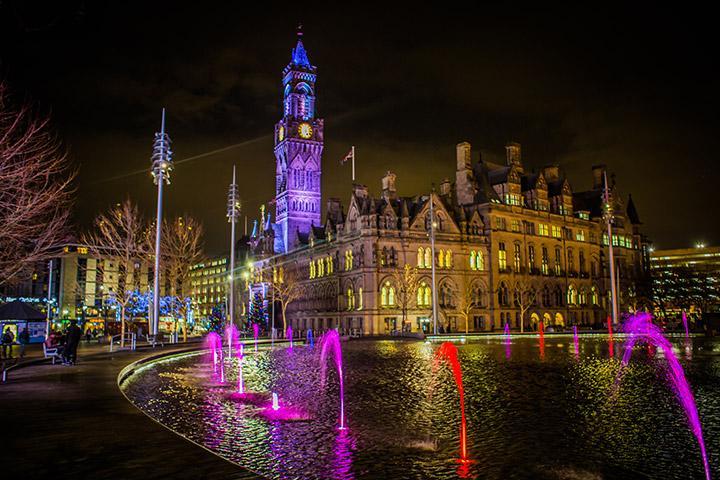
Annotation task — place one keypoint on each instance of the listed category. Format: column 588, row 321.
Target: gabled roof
column 632, row 212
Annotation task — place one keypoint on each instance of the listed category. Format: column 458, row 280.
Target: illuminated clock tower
column 298, row 151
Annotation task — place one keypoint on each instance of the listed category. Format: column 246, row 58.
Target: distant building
column 505, row 235
column 208, row 284
column 686, row 279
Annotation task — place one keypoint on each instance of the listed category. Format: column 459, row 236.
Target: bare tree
column 35, row 190
column 406, row 281
column 119, row 235
column 182, row 248
column 287, row 289
column 524, row 297
column 469, row 300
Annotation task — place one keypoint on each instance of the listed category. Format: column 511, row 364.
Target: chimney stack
column 598, row 172
column 445, row 187
column 551, row 173
column 462, row 152
column 388, row 186
column 513, row 154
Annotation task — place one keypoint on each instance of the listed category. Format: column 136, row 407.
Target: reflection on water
column 535, row 413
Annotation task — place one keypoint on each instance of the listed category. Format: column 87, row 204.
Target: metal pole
column 49, row 301
column 353, row 163
column 158, row 234
column 272, row 320
column 432, row 253
column 609, row 219
column 233, row 219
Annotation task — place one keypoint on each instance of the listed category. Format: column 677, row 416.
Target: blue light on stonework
column 299, row 56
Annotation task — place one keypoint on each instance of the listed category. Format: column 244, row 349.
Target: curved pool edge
column 130, row 369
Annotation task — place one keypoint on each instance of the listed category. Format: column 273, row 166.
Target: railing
column 130, row 339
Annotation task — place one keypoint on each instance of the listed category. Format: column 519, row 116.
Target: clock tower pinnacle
column 298, row 153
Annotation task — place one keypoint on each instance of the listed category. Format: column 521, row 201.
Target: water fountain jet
column 641, row 328
column 448, row 352
column 331, row 344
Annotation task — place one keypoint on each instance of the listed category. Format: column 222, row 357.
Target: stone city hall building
column 508, row 243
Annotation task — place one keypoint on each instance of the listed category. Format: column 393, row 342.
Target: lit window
column 556, row 231
column 502, row 256
column 580, row 235
column 473, row 256
column 543, row 229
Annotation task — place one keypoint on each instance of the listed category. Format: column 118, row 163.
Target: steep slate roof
column 529, row 181
column 632, row 212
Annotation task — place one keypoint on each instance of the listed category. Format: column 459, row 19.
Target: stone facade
column 508, row 244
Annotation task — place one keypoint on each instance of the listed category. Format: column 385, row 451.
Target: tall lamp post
column 161, row 168
column 608, row 216
column 233, row 213
column 432, row 263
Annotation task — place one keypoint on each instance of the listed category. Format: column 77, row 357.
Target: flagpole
column 353, row 163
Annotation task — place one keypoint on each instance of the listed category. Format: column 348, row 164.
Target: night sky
column 630, row 88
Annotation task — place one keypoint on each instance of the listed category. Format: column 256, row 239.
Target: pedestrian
column 24, row 339
column 7, row 342
column 88, row 336
column 71, row 343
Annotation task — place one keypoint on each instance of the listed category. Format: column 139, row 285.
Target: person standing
column 71, row 343
column 24, row 339
column 7, row 342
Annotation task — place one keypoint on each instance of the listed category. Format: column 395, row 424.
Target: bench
column 51, row 353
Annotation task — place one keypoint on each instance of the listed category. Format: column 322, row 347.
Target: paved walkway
column 73, row 422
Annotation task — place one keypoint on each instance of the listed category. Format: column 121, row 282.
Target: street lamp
column 161, row 167
column 233, row 212
column 609, row 217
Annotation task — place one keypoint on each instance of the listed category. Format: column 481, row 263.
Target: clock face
column 305, row 130
column 281, row 133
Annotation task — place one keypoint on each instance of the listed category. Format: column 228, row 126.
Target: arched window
column 423, row 295
column 546, row 296
column 428, row 258
column 480, row 261
column 384, row 295
column 441, row 258
column 448, row 259
column 478, row 297
column 312, row 269
column 350, row 298
column 391, row 296
column 473, row 255
column 571, row 295
column 421, row 257
column 594, row 296
column 360, row 299
column 582, row 297
column 503, row 294
column 558, row 296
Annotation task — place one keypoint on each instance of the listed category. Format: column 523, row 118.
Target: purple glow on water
column 575, row 342
column 275, row 402
column 685, row 324
column 310, row 339
column 507, row 341
column 241, row 384
column 641, row 328
column 256, row 333
column 331, row 344
column 289, row 335
column 231, row 338
column 214, row 343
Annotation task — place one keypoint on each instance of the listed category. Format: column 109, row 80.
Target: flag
column 350, row 156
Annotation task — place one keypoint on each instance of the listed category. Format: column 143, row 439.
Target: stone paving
column 73, row 422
